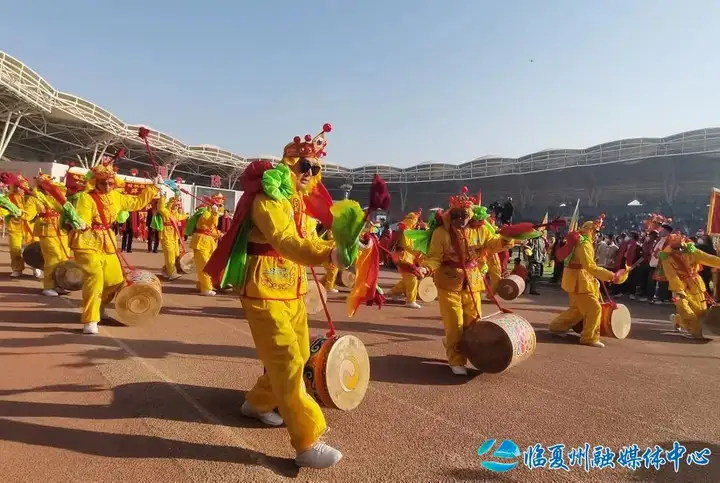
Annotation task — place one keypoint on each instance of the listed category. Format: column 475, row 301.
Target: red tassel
column 379, row 195
column 120, row 154
column 53, row 191
column 143, row 132
column 9, row 178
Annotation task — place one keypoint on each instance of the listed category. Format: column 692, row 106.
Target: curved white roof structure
column 58, row 125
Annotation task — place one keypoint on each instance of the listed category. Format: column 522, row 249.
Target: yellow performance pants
column 457, row 311
column 54, row 251
column 280, row 332
column 202, row 254
column 331, row 273
column 103, row 278
column 17, row 240
column 585, row 307
column 407, row 285
column 171, row 252
column 690, row 310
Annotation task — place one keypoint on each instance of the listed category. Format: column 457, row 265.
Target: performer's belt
column 262, row 250
column 205, row 232
column 49, row 214
column 100, row 226
column 575, row 266
column 467, row 266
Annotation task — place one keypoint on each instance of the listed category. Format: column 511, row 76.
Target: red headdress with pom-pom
column 463, row 201
column 308, row 147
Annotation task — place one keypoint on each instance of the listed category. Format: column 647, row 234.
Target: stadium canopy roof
column 43, row 124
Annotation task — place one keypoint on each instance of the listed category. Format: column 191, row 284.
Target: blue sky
column 401, row 81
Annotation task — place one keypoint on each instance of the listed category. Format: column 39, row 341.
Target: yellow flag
column 576, row 215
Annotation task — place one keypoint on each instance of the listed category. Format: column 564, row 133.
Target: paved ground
column 162, row 402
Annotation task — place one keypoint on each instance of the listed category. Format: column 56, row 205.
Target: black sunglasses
column 306, row 166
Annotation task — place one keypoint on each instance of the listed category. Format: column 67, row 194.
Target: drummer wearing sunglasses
column 281, row 243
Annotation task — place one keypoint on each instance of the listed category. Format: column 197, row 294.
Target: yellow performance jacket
column 581, row 270
column 682, row 267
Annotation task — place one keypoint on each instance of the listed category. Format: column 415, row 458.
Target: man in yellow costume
column 203, row 226
column 95, row 244
column 681, row 262
column 49, row 230
column 172, row 215
column 20, row 229
column 455, row 260
column 264, row 256
column 405, row 259
column 579, row 281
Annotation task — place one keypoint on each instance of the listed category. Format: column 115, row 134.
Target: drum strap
column 177, row 232
column 101, row 212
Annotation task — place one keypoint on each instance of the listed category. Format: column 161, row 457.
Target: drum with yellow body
column 33, row 257
column 511, row 287
column 313, row 300
column 69, row 276
column 140, row 300
column 338, row 371
column 498, row 342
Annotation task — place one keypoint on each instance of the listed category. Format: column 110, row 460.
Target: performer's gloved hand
column 158, row 181
column 82, row 226
column 423, row 271
column 679, row 295
column 620, row 277
column 214, row 208
column 364, row 246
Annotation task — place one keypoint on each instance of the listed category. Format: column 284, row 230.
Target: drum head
column 69, row 276
column 427, row 291
column 347, row 372
column 138, row 303
column 487, row 347
column 620, row 322
column 33, row 257
column 348, row 278
column 313, row 303
column 186, row 263
column 511, row 287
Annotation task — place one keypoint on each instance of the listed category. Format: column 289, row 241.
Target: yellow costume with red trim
column 454, row 258
column 52, row 235
column 281, row 243
column 20, row 230
column 95, row 246
column 172, row 216
column 204, row 241
column 681, row 261
column 405, row 259
column 579, row 281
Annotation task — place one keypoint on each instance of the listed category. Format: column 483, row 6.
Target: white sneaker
column 413, row 305
column 688, row 335
column 209, row 293
column 174, row 277
column 333, row 290
column 459, row 370
column 38, row 273
column 50, row 293
column 91, row 328
column 595, row 344
column 15, row 274
column 320, row 456
column 271, row 418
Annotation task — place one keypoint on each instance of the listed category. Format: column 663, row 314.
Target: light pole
column 346, row 190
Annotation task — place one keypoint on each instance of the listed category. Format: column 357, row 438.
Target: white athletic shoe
column 459, row 370
column 38, row 273
column 15, row 274
column 50, row 293
column 209, row 293
column 91, row 328
column 174, row 277
column 271, row 418
column 595, row 344
column 333, row 290
column 319, row 456
column 413, row 305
